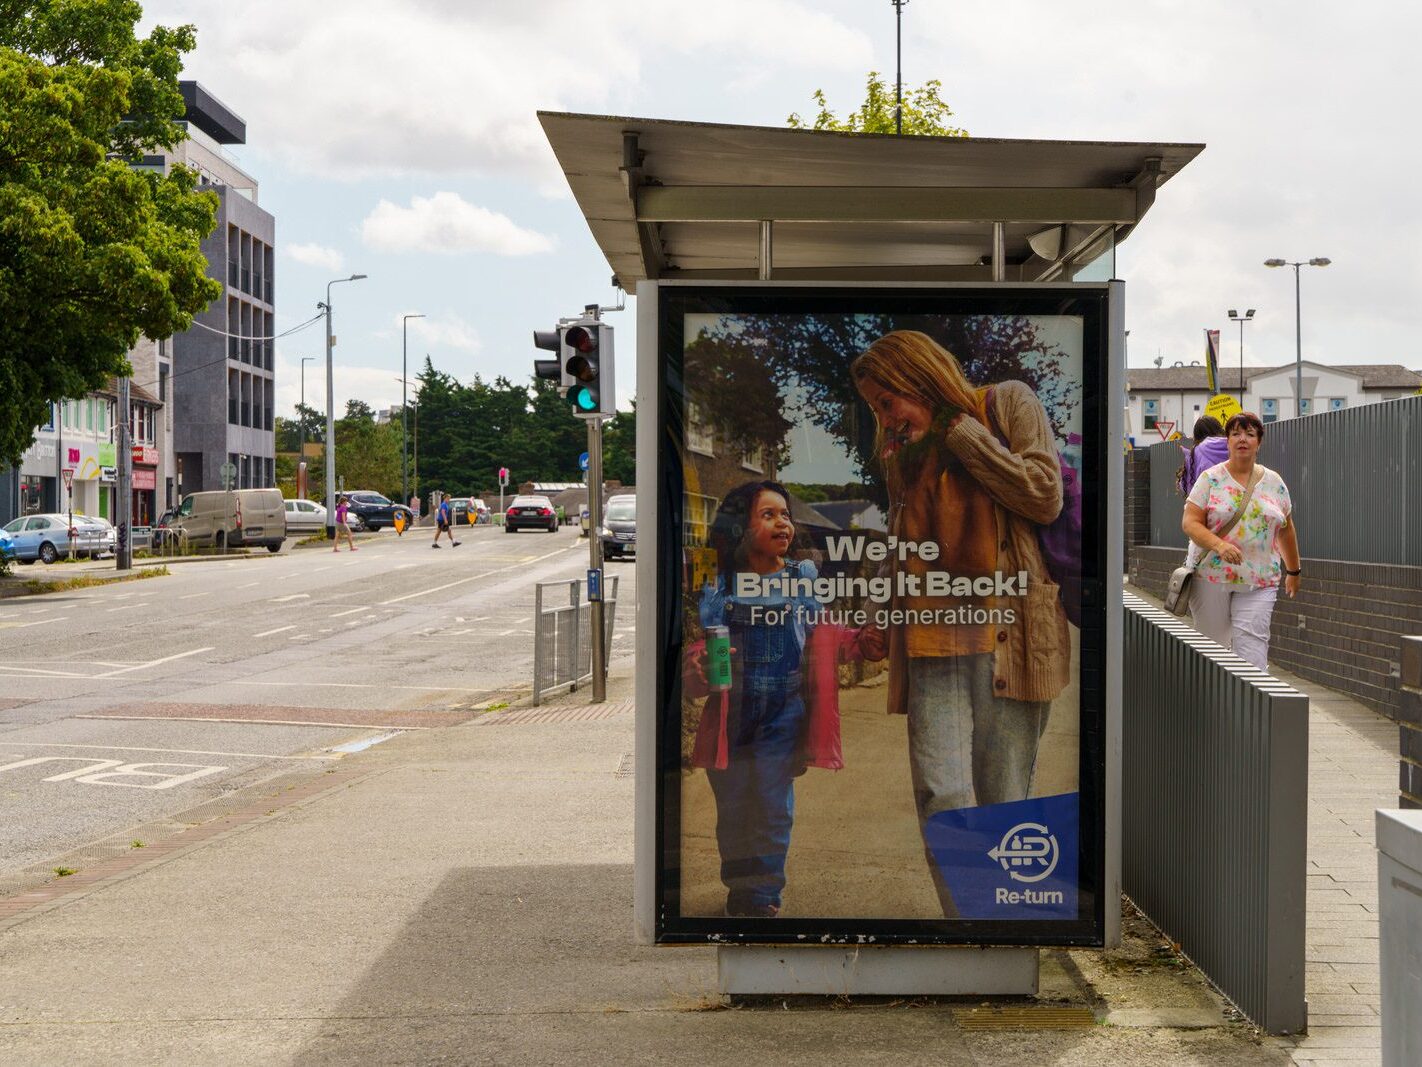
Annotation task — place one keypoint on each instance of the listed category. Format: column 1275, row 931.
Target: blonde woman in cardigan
column 977, row 695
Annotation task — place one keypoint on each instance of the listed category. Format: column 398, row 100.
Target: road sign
column 68, row 473
column 1223, row 407
column 229, row 474
column 583, row 462
column 1164, row 428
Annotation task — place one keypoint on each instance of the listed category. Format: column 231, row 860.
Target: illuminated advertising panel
column 880, row 545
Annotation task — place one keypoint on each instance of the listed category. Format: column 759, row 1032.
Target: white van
column 240, row 518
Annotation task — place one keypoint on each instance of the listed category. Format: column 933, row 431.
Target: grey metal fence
column 562, row 634
column 1355, row 477
column 1215, row 819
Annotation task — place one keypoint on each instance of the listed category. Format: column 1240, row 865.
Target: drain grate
column 565, row 713
column 1026, row 1017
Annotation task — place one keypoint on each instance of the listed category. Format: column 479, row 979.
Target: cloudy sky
column 398, row 139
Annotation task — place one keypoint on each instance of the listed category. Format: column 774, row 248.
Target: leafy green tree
column 93, row 253
column 619, row 448
column 368, row 452
column 924, row 112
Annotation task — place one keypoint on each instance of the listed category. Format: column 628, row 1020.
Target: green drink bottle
column 718, row 658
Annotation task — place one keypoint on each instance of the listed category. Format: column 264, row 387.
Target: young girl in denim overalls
column 781, row 714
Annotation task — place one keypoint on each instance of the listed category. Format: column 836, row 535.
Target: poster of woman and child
column 874, row 720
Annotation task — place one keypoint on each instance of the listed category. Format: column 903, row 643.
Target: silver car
column 46, row 537
column 305, row 517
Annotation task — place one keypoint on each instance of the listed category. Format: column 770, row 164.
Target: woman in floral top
column 1238, row 576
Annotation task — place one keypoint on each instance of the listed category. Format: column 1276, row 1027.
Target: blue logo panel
column 1010, row 861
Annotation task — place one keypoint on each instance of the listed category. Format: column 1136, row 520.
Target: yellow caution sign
column 399, row 522
column 1223, row 406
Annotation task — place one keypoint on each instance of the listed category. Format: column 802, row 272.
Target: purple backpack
column 1060, row 539
column 1200, row 458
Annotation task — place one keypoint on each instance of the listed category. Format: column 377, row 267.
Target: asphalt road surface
column 128, row 704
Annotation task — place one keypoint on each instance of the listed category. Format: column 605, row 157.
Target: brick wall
column 1343, row 631
column 1137, row 499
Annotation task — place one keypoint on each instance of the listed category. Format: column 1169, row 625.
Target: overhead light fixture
column 1047, row 243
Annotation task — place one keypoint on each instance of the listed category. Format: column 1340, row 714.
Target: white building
column 1178, row 395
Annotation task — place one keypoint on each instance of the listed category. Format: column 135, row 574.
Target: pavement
column 463, row 895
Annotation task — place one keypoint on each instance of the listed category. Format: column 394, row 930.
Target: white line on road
column 37, row 622
column 293, row 596
column 155, row 662
column 244, row 722
column 37, row 670
column 249, row 585
column 471, row 578
column 191, row 595
column 364, row 743
column 175, row 751
column 349, row 611
column 278, row 630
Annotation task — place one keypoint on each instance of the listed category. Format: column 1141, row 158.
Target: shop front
column 145, row 485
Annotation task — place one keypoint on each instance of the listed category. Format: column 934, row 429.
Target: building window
column 1150, row 413
column 699, row 437
column 163, row 382
column 89, row 413
column 1271, row 409
column 1337, row 403
column 754, row 460
column 103, row 416
column 1306, row 406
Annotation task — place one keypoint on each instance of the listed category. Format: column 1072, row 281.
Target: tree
column 93, row 253
column 368, row 452
column 925, row 112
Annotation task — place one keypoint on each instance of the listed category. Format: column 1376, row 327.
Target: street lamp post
column 300, row 417
column 1235, row 316
column 404, row 416
column 1316, row 261
column 331, row 413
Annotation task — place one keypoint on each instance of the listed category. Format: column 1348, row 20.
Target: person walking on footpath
column 1237, row 576
column 342, row 527
column 443, row 517
column 1210, row 447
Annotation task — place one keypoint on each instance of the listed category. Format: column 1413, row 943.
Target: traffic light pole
column 596, row 606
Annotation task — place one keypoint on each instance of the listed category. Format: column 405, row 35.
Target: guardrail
column 562, row 634
column 1215, row 811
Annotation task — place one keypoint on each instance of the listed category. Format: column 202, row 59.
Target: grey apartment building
column 223, row 398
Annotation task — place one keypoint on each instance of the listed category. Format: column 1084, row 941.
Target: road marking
column 38, row 670
column 249, row 585
column 121, row 607
column 38, row 622
column 363, row 744
column 175, row 751
column 191, row 595
column 363, row 685
column 154, row 663
column 327, row 629
column 249, row 722
column 471, row 578
column 293, row 596
column 349, row 611
column 278, row 630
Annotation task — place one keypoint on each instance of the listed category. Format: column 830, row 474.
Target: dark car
column 530, row 513
column 619, row 527
column 374, row 511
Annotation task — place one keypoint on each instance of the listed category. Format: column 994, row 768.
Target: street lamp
column 300, row 417
column 1235, row 316
column 331, row 413
column 404, row 418
column 1316, row 261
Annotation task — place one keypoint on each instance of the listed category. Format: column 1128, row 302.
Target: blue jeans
column 967, row 745
column 755, row 796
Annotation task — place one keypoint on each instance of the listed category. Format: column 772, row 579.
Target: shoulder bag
column 1177, row 593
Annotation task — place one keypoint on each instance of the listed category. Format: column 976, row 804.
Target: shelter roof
column 669, row 199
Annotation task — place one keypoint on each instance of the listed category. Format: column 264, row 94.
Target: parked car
column 374, row 511
column 7, row 547
column 531, row 513
column 305, row 517
column 619, row 527
column 584, row 520
column 233, row 519
column 482, row 512
column 46, row 537
column 469, row 510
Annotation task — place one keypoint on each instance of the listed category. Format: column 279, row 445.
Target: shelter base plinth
column 876, row 970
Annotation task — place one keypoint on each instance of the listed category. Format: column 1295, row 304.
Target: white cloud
column 449, row 224
column 445, row 331
column 314, row 255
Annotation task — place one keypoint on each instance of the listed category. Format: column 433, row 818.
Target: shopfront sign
column 881, row 547
column 90, row 459
column 146, row 455
column 145, row 478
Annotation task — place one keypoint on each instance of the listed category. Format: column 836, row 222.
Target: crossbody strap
column 1238, row 513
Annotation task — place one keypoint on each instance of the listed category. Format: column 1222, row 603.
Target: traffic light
column 552, row 369
column 587, row 367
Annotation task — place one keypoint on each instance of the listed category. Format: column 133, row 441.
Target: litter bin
column 1399, row 841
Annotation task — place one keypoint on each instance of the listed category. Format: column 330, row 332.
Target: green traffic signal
column 584, row 400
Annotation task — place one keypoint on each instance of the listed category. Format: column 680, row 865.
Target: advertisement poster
column 882, row 620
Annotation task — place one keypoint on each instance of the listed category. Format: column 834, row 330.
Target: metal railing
column 562, row 634
column 1215, row 811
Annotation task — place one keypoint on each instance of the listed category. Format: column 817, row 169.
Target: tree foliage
column 93, row 253
column 925, row 112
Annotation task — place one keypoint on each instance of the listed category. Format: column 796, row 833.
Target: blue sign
column 1009, row 861
column 594, row 585
column 583, row 462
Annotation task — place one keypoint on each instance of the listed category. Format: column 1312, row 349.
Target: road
column 130, row 704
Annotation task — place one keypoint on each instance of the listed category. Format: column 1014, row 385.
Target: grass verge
column 38, row 587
